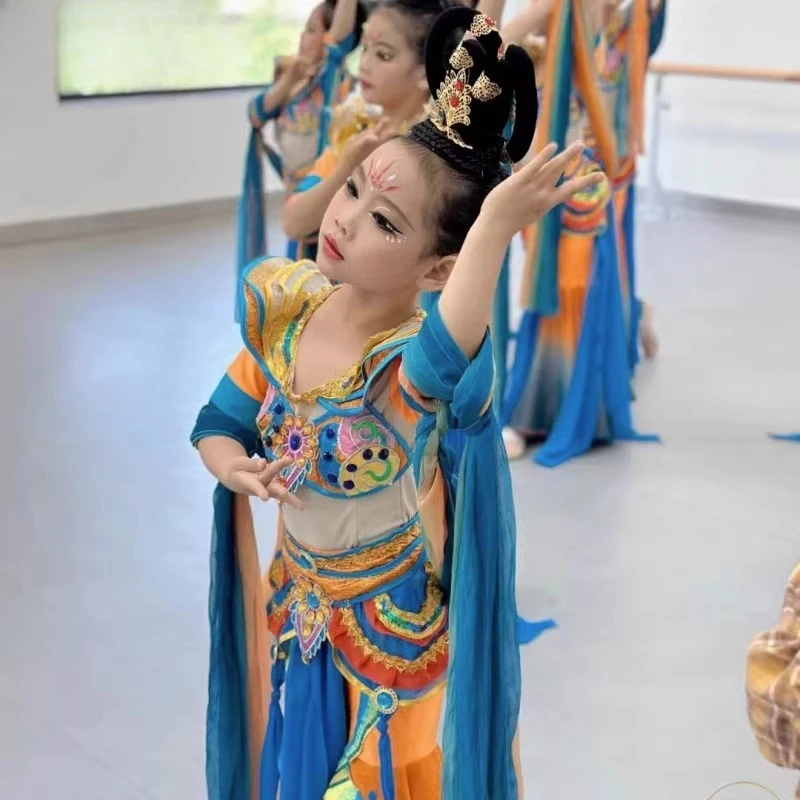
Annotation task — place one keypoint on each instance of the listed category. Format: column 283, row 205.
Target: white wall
column 95, row 156
column 732, row 140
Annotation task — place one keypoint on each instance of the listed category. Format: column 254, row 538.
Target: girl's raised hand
column 364, row 144
column 527, row 195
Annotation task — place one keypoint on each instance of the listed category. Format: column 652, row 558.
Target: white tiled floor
column 659, row 561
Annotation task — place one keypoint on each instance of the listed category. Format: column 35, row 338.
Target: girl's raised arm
column 520, row 200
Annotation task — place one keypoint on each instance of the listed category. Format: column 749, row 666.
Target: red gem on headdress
column 491, row 22
column 459, row 86
column 454, row 102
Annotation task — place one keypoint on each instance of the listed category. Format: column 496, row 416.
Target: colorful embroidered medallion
column 370, row 456
column 297, row 439
column 310, row 613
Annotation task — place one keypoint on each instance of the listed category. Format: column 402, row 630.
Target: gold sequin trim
column 353, row 378
column 291, row 292
column 347, row 587
column 369, row 557
column 422, row 662
column 276, row 572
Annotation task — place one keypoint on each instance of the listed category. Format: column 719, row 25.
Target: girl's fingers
column 254, row 486
column 283, row 495
column 538, row 161
column 552, row 171
column 246, row 464
column 575, row 185
column 270, row 471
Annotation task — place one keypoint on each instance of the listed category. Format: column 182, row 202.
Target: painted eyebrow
column 362, row 178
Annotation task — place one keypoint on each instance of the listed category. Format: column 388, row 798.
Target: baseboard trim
column 674, row 200
column 149, row 218
column 114, row 222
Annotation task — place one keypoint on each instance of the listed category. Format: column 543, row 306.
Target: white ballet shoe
column 514, row 444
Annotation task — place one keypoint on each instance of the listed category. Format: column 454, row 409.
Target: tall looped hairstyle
column 477, row 88
column 481, row 120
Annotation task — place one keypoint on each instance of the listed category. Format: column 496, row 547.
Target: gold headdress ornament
column 453, row 102
column 483, row 26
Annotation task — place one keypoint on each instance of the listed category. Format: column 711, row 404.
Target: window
column 111, row 47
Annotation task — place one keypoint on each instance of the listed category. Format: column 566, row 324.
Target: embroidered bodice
column 338, row 450
column 351, row 440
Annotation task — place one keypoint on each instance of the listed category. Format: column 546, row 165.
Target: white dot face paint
column 393, row 237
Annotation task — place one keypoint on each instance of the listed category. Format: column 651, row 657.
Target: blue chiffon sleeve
column 212, row 421
column 251, row 231
column 483, row 688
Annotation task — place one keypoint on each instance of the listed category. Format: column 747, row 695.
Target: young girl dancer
column 298, row 102
column 631, row 32
column 393, row 93
column 388, row 584
column 570, row 380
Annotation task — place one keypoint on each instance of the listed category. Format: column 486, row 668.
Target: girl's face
column 312, row 39
column 390, row 69
column 375, row 235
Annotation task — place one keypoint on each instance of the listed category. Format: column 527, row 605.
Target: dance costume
column 625, row 47
column 570, row 379
column 385, row 586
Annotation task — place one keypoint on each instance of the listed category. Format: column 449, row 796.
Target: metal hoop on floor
column 743, row 783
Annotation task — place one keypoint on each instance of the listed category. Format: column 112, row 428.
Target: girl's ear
column 434, row 279
column 420, row 79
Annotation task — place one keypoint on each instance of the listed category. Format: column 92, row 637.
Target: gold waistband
column 353, row 573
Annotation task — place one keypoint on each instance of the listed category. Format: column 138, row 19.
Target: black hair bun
column 475, row 88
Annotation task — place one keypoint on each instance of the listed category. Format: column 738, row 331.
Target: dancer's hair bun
column 477, row 87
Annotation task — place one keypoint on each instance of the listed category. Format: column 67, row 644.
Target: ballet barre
column 661, row 70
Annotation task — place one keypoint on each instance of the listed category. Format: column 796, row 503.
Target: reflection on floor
column 659, row 562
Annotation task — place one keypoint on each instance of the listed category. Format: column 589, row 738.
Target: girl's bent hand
column 257, row 477
column 526, row 196
column 364, row 144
